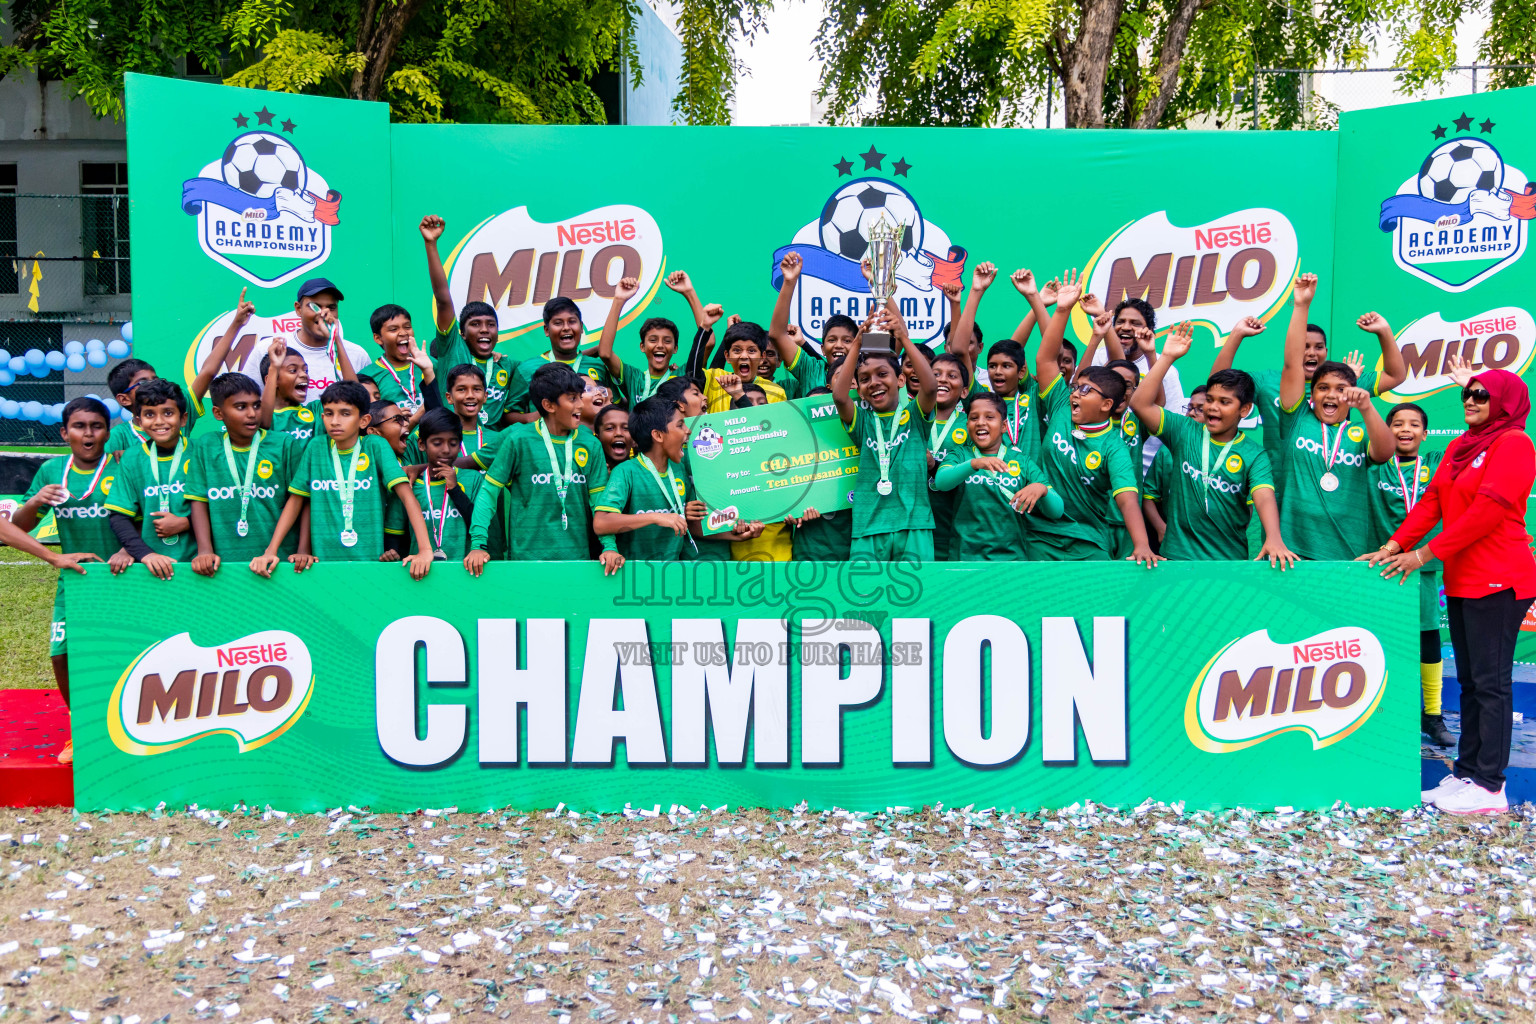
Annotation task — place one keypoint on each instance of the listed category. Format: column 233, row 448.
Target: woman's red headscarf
column 1509, row 404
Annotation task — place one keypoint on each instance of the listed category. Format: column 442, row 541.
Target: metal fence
column 64, row 276
column 1313, row 98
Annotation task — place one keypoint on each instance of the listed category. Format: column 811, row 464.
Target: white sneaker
column 1472, row 799
column 1447, row 784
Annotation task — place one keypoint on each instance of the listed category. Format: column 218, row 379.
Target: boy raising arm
column 1207, row 501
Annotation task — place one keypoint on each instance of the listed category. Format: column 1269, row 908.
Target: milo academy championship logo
column 831, row 246
column 261, row 210
column 1461, row 217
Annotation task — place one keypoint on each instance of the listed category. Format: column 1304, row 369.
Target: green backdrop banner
column 859, row 686
column 243, row 192
column 1434, row 216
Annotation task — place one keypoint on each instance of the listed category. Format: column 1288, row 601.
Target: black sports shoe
column 1433, row 726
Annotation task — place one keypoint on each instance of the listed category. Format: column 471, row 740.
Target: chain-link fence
column 1313, row 98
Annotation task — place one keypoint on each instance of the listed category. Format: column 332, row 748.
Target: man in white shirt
column 318, row 306
column 1134, row 323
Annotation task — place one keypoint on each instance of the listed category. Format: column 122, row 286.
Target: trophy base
column 878, row 341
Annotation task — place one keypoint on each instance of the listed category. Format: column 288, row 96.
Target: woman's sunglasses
column 1478, row 395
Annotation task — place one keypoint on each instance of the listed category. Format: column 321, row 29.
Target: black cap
column 316, row 285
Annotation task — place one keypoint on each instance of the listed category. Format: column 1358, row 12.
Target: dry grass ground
column 767, row 916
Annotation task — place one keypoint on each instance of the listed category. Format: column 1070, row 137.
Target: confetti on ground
column 779, row 917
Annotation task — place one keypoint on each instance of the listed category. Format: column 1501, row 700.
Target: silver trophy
column 884, row 257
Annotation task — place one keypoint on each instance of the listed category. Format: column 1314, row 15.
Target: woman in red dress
column 1479, row 493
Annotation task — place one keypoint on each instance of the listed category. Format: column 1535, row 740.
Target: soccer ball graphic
column 259, row 163
column 1453, row 169
column 845, row 220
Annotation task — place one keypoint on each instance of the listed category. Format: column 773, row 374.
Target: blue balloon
column 35, row 357
column 18, row 364
column 74, row 362
column 96, row 357
column 55, row 360
column 128, row 331
column 9, row 409
column 31, row 410
column 126, row 415
column 74, row 348
column 117, row 348
column 95, row 345
column 39, row 369
column 112, row 407
column 6, row 376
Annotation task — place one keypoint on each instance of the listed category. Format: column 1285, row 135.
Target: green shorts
column 1429, row 600
column 56, row 627
column 1050, row 547
column 898, row 546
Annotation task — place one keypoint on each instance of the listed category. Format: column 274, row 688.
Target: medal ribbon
column 346, row 486
column 882, row 451
column 1410, row 494
column 937, row 433
column 1205, row 463
column 411, row 393
column 437, row 524
column 562, row 478
column 1014, row 423
column 669, row 489
column 250, row 471
column 1330, row 459
column 154, row 471
column 69, row 464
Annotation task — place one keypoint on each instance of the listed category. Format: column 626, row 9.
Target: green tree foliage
column 708, row 30
column 1126, row 63
column 508, row 61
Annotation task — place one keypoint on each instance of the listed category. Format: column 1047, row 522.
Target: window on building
column 104, row 228
column 10, row 276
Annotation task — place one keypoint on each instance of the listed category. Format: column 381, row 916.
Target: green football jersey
column 1130, row 432
column 826, row 539
column 1388, row 507
column 1268, row 407
column 987, row 527
column 481, row 446
column 303, row 423
column 139, row 495
column 398, row 384
column 632, row 490
column 445, row 526
column 210, row 481
column 786, row 380
column 124, row 436
column 589, row 367
column 638, row 384
column 1087, row 468
column 378, row 471
column 906, row 507
column 809, row 371
column 1207, row 490
column 946, row 438
column 81, row 519
column 539, row 525
column 449, row 350
column 1317, row 523
column 1022, row 422
column 1155, row 484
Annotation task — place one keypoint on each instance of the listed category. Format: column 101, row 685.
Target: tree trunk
column 1087, row 63
column 1169, row 58
column 378, row 33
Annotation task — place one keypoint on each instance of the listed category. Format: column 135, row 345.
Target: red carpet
column 33, row 727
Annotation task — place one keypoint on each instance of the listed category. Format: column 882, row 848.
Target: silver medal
column 348, row 538
column 242, row 527
column 1329, row 482
column 884, row 487
column 439, row 555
